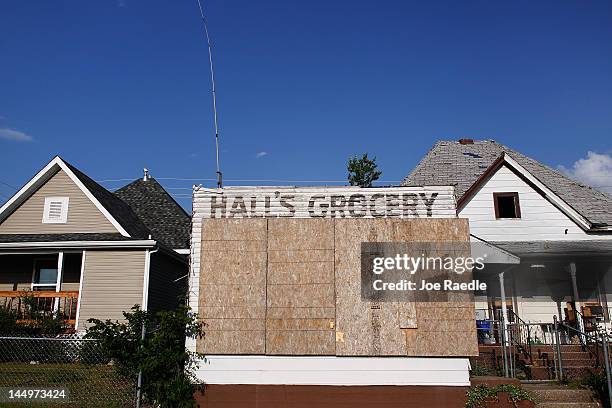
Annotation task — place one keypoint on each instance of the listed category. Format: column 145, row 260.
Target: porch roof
column 5, row 238
column 12, row 242
column 558, row 248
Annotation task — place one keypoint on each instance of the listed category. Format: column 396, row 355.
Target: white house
column 560, row 228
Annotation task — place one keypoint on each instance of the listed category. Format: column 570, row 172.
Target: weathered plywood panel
column 397, row 328
column 233, row 286
column 286, row 286
column 300, row 342
column 365, row 328
column 300, row 293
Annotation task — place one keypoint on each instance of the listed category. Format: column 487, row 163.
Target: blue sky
column 116, row 85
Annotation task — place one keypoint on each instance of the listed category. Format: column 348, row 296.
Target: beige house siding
column 83, row 215
column 112, row 283
column 164, row 292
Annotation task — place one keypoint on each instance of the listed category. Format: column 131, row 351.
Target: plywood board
column 233, row 286
column 397, row 328
column 367, row 328
column 292, row 286
column 300, row 290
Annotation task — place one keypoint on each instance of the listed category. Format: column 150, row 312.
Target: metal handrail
column 583, row 338
column 596, row 340
column 522, row 327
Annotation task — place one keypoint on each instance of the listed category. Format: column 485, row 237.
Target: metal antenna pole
column 214, row 94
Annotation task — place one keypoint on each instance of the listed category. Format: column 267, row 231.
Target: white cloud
column 260, row 155
column 595, row 170
column 14, row 135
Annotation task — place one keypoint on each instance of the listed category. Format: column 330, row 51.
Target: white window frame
column 64, row 214
column 52, row 287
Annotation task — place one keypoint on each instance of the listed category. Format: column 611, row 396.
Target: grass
column 88, row 385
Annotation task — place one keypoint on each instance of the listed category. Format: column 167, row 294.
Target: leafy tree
column 167, row 367
column 362, row 171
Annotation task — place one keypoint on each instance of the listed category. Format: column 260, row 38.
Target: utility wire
column 248, row 180
column 8, row 185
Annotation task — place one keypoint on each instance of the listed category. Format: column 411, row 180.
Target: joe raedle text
column 423, row 285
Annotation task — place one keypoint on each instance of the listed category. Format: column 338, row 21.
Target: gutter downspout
column 145, row 305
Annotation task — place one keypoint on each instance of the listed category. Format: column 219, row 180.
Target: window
column 507, row 205
column 56, row 210
column 45, row 274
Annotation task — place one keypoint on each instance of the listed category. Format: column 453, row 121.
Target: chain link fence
column 66, row 361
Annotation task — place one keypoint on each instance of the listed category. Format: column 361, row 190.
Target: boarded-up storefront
column 276, row 278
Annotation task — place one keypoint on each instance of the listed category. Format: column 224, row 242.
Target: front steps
column 552, row 395
column 576, row 361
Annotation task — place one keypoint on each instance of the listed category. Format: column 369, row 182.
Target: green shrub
column 479, row 369
column 34, row 319
column 478, row 394
column 8, row 321
column 168, row 369
column 597, row 382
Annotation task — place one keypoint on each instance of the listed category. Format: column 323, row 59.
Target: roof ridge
column 558, row 173
column 452, row 163
column 422, row 161
column 159, row 211
column 125, row 216
column 151, row 178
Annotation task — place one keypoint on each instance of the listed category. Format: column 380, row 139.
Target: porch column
column 579, row 322
column 58, row 282
column 504, row 323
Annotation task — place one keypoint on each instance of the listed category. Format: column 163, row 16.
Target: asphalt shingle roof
column 120, row 210
column 460, row 165
column 62, row 237
column 559, row 248
column 163, row 216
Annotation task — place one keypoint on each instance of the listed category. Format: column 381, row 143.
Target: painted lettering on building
column 327, row 203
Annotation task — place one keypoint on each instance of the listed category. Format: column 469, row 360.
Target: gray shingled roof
column 62, row 237
column 460, row 165
column 163, row 216
column 557, row 248
column 120, row 211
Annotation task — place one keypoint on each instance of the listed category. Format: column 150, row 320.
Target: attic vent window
column 507, row 205
column 55, row 210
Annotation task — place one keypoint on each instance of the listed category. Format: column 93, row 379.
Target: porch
column 36, row 285
column 549, row 314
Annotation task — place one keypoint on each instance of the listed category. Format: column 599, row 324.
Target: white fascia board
column 144, row 243
column 601, row 229
column 30, row 185
column 182, row 251
column 91, row 197
column 550, row 195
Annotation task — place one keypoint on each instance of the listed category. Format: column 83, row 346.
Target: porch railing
column 28, row 304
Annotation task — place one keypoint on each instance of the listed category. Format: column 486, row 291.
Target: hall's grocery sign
column 325, row 202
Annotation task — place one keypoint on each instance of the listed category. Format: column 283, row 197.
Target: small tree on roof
column 362, row 171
